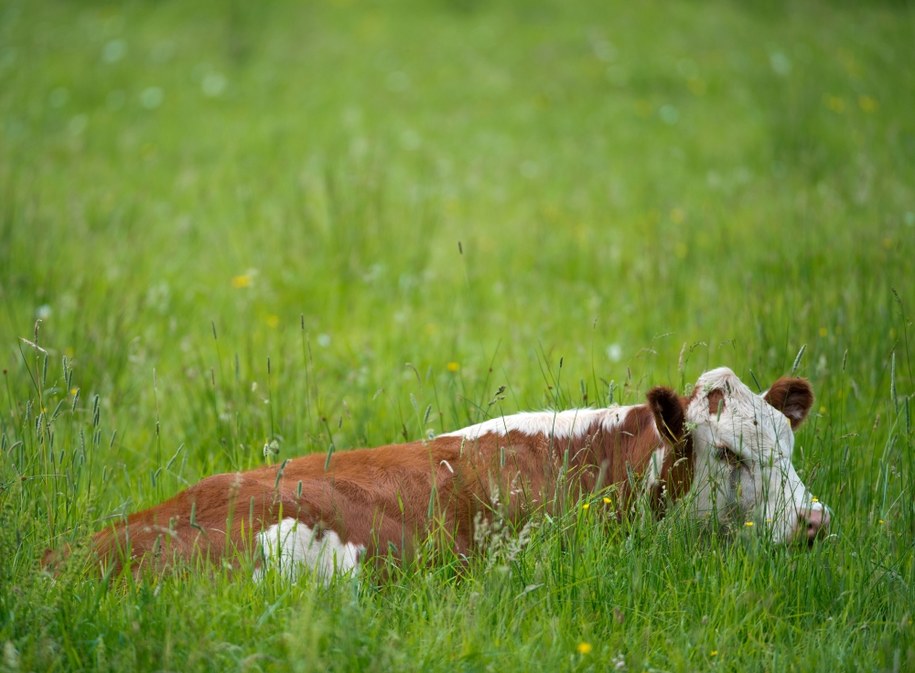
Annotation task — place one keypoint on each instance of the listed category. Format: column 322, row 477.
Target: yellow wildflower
column 835, row 103
column 241, row 281
column 867, row 104
column 584, row 648
column 586, row 505
column 453, row 367
column 748, row 524
column 713, row 653
column 607, row 501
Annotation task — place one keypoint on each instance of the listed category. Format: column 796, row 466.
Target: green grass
column 250, row 222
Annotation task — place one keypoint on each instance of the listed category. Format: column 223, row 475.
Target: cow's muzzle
column 812, row 525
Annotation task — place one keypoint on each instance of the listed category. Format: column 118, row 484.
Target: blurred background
column 233, row 232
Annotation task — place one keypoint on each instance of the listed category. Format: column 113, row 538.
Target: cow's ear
column 792, row 397
column 669, row 415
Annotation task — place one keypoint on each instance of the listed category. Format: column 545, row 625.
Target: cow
column 725, row 446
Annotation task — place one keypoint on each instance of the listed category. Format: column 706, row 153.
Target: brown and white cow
column 725, row 445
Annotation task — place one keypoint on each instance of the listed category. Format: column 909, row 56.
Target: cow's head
column 743, row 444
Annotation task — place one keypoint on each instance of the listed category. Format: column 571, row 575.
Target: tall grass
column 230, row 235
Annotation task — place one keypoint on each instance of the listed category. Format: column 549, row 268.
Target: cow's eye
column 726, row 455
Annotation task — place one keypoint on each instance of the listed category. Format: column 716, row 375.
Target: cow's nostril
column 816, row 521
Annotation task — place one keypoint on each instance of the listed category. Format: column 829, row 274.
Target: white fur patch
column 655, row 465
column 293, row 547
column 569, row 424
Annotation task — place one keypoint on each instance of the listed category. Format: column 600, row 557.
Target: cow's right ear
column 669, row 414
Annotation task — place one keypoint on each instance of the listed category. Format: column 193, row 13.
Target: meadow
column 233, row 233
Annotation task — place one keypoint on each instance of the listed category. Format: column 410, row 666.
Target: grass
column 227, row 226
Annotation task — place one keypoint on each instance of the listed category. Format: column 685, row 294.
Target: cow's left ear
column 792, row 397
column 669, row 415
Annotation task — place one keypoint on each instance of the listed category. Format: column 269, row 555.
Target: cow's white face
column 742, row 446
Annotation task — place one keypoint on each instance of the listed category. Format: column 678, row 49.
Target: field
column 233, row 233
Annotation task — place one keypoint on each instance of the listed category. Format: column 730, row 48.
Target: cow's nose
column 812, row 524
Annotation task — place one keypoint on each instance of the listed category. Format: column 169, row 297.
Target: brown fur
column 677, row 470
column 715, row 402
column 793, row 397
